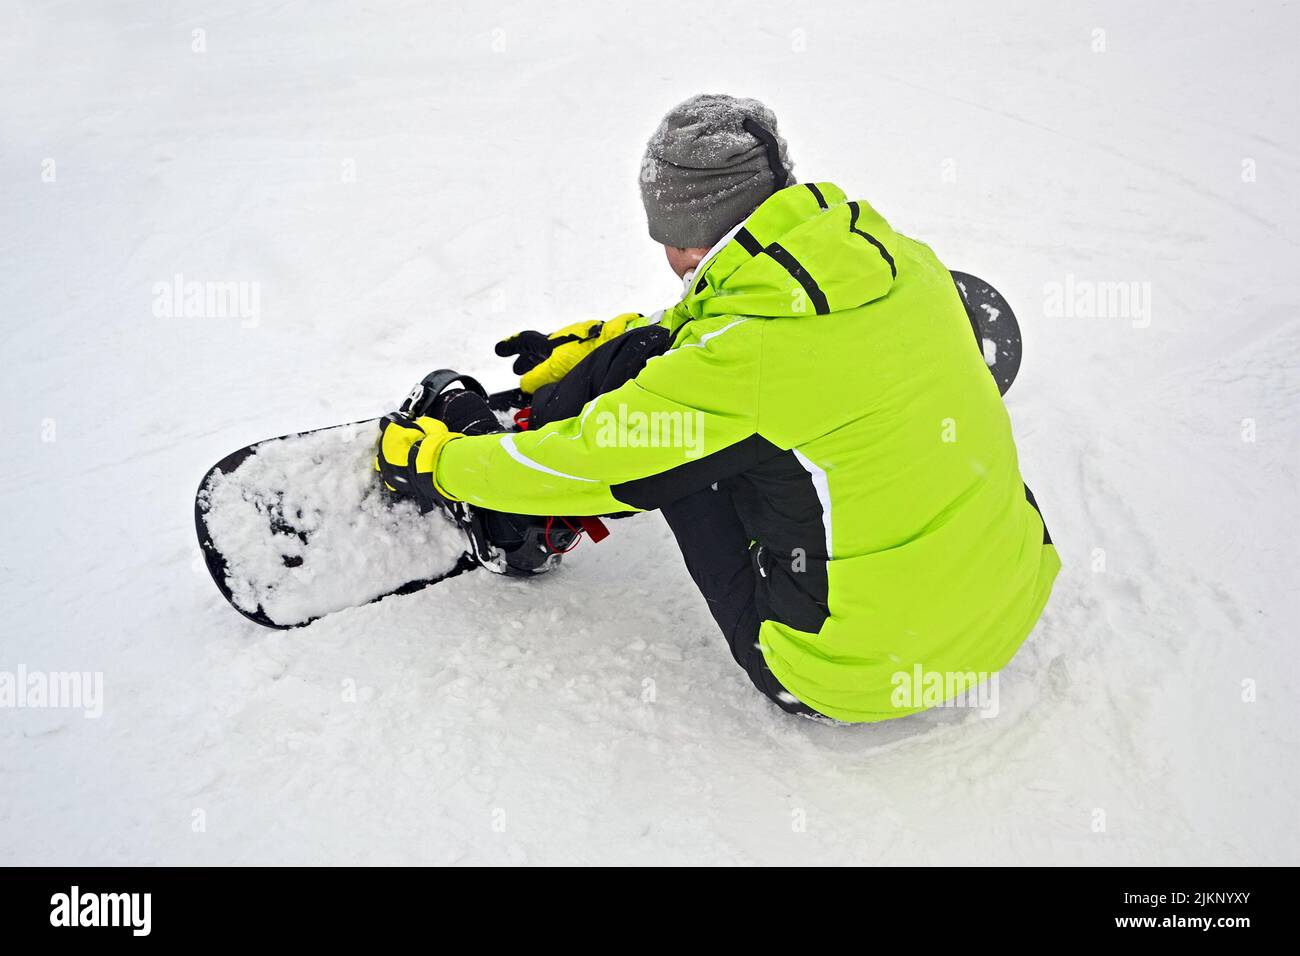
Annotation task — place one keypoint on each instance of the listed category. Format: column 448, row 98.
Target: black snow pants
column 705, row 523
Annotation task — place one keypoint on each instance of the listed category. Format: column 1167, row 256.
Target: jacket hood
column 807, row 250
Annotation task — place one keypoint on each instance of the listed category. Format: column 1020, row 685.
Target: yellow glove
column 406, row 457
column 543, row 359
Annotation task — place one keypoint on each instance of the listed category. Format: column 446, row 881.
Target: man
column 838, row 469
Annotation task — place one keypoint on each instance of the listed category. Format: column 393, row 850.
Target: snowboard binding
column 516, row 545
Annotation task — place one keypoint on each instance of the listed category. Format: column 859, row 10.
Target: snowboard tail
column 996, row 330
column 296, row 527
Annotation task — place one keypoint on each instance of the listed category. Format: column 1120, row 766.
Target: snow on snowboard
column 300, row 526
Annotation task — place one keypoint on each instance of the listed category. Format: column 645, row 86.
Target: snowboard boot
column 504, row 543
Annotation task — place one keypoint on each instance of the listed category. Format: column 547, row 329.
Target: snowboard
column 296, row 527
column 995, row 327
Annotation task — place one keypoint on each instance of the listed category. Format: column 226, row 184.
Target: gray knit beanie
column 713, row 160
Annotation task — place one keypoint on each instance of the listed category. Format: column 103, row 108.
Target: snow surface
column 407, row 182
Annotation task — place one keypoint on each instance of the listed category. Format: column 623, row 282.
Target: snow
column 339, row 540
column 392, row 188
column 990, row 350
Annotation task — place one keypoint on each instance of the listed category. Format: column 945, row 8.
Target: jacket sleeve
column 689, row 418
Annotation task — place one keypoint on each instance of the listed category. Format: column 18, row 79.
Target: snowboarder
column 829, row 450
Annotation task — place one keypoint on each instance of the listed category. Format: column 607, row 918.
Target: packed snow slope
column 400, row 185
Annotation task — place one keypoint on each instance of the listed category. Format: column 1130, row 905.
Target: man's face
column 685, row 260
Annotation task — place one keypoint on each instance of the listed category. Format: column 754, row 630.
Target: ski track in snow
column 594, row 715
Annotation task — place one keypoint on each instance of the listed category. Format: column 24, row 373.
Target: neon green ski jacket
column 822, row 364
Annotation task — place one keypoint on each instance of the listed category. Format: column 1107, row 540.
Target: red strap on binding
column 593, row 527
column 550, row 545
column 522, row 416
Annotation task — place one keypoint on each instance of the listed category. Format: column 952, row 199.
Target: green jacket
column 823, row 366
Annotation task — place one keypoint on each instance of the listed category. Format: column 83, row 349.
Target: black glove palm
column 531, row 349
